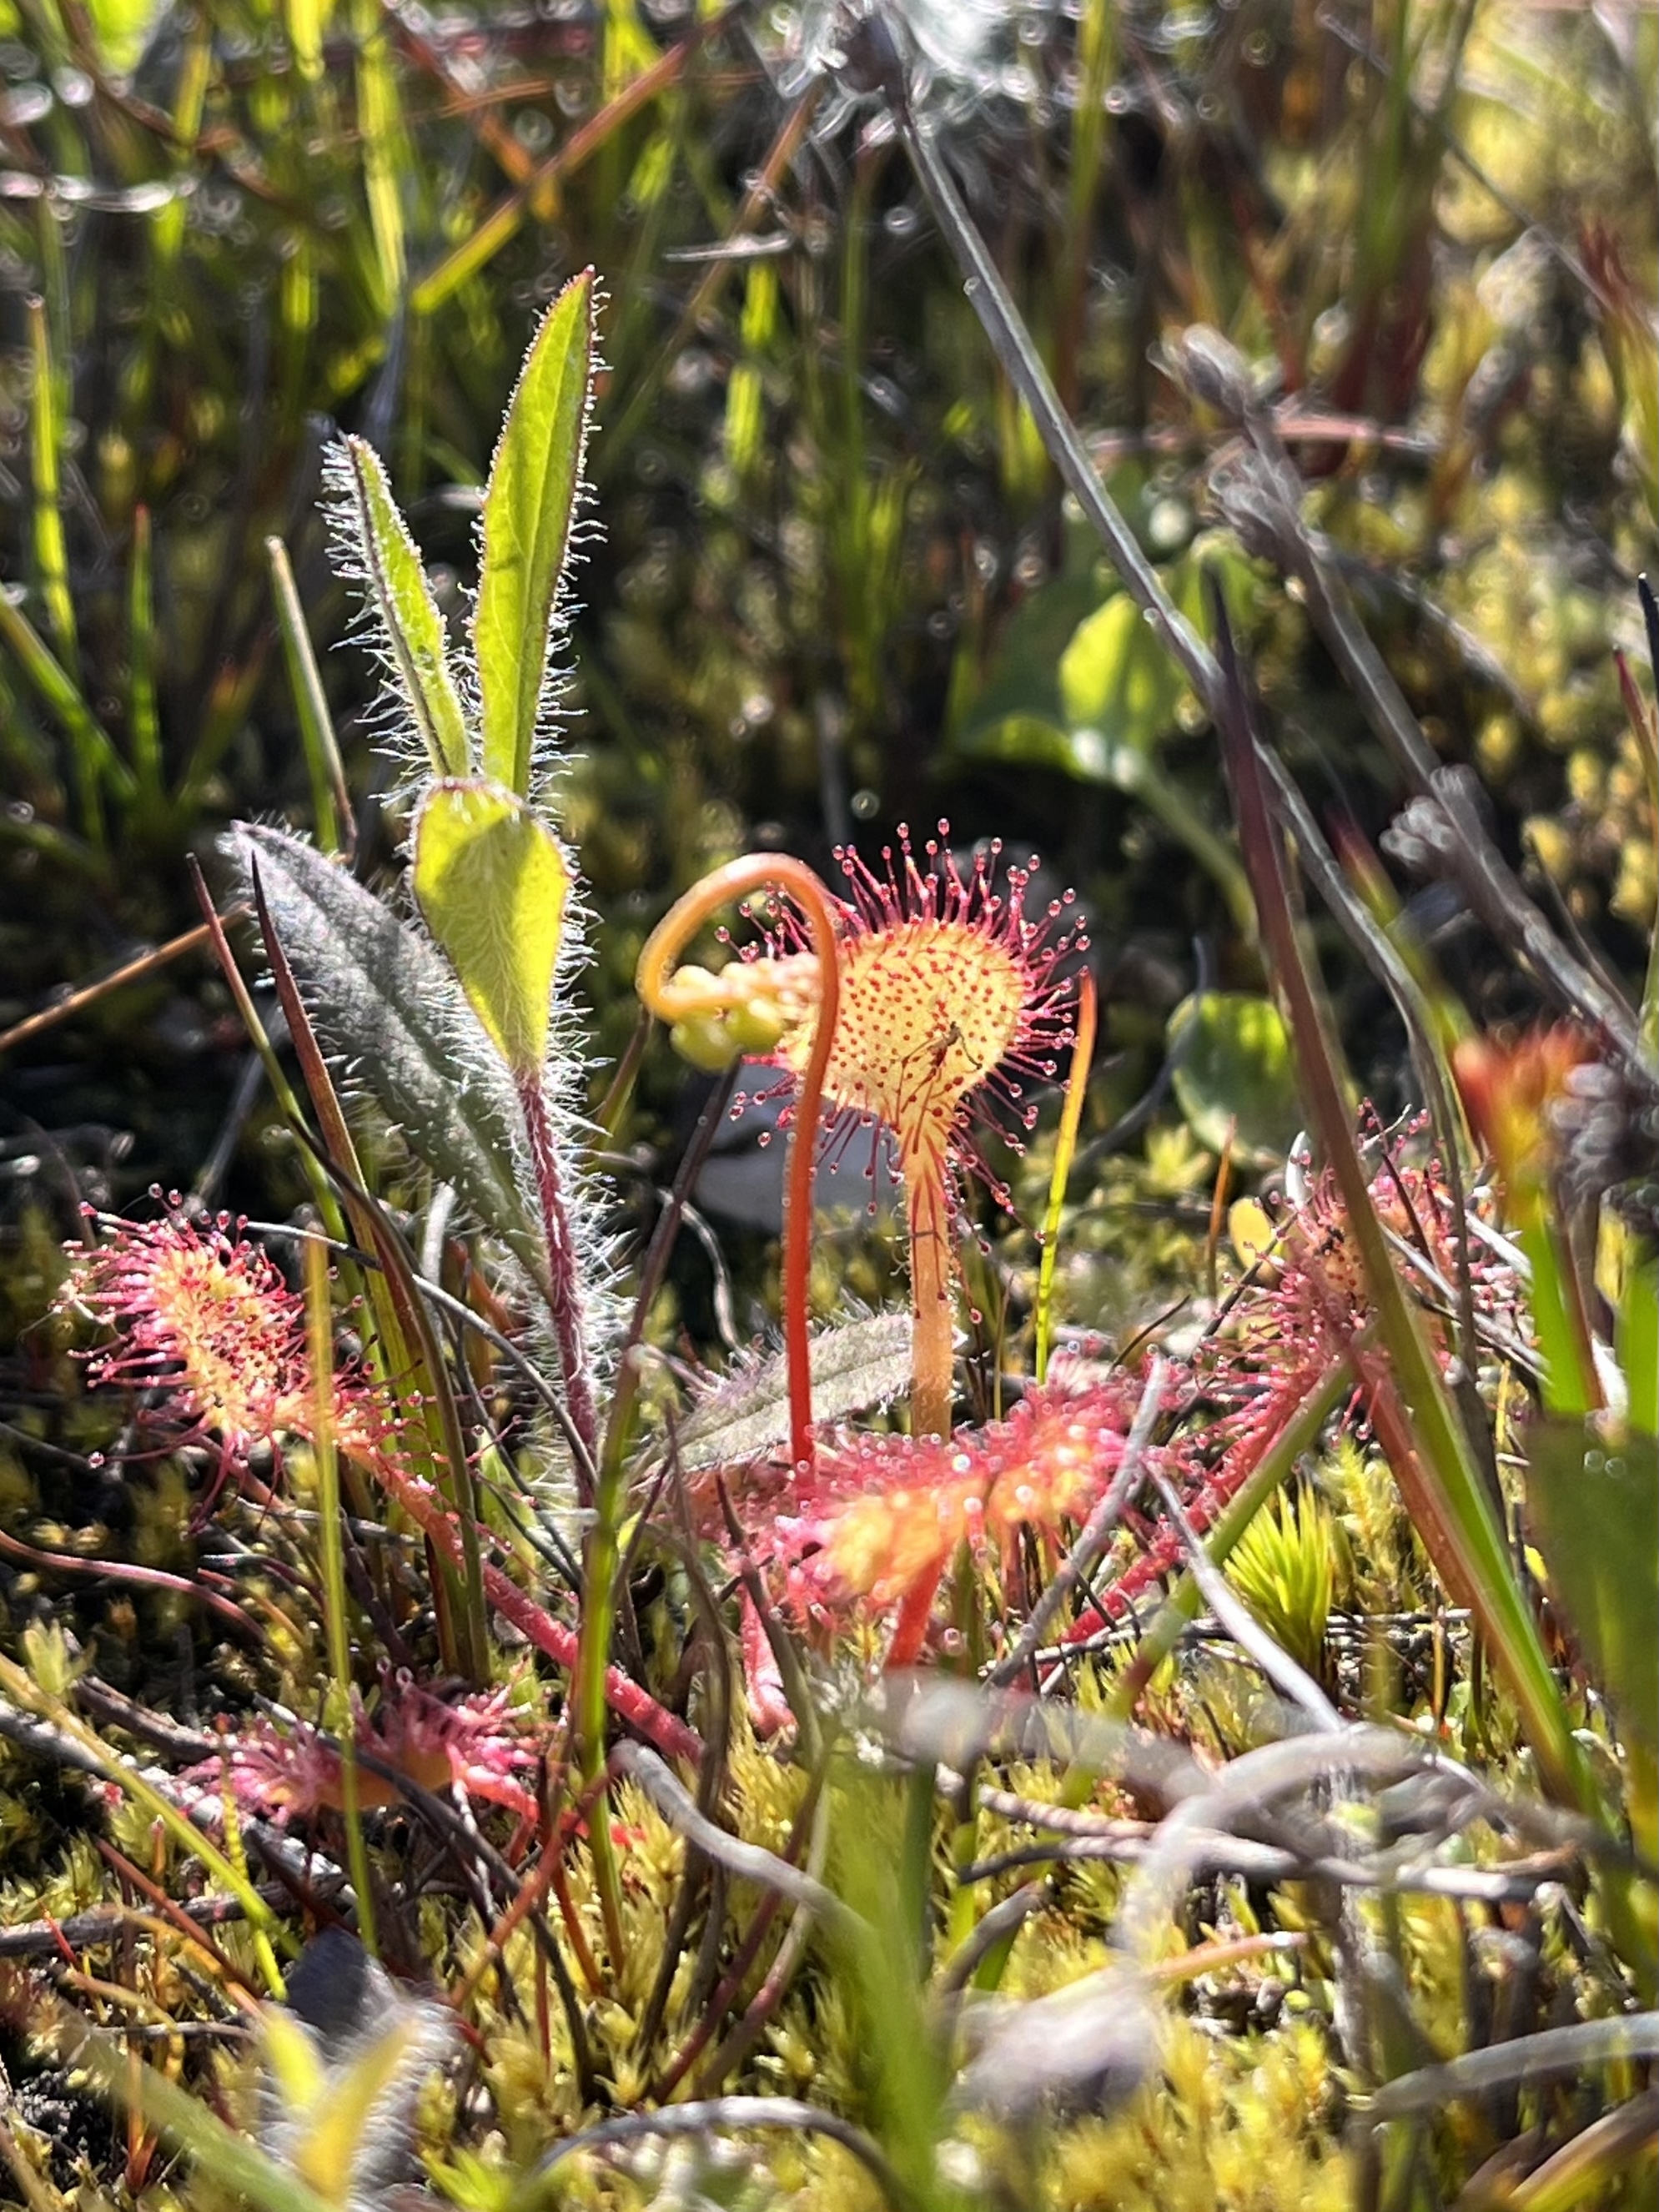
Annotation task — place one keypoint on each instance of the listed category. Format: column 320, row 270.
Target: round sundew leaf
column 492, row 885
column 1023, row 681
column 1233, row 1073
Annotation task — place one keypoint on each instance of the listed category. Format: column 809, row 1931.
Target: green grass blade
column 1077, row 1089
column 232, row 2162
column 308, row 21
column 331, row 799
column 413, row 1352
column 45, row 449
column 1412, row 1412
column 190, row 103
column 1569, row 1387
column 1645, row 728
column 1638, row 1338
column 1579, row 1488
column 94, row 760
column 24, row 1690
column 387, row 157
column 145, row 734
column 330, row 1540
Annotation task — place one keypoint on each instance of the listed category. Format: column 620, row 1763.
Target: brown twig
column 131, row 971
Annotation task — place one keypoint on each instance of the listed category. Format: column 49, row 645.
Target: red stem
column 754, row 872
column 63, row 1563
column 636, row 1706
column 563, row 1283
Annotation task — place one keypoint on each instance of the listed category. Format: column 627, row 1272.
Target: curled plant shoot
column 713, row 1021
column 906, row 1004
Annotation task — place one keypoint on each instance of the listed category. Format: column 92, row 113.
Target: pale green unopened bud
column 707, row 1041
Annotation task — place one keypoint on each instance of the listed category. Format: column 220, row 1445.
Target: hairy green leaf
column 388, row 1010
column 382, row 553
column 530, row 507
column 492, row 884
column 859, row 1364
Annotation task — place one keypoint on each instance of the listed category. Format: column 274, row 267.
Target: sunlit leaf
column 1638, row 1330
column 378, row 549
column 1116, row 677
column 345, row 2065
column 296, row 2064
column 386, row 157
column 346, row 2127
column 1233, row 1071
column 1032, row 742
column 491, row 884
column 530, row 507
column 307, row 20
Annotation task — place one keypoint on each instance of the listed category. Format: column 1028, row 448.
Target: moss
column 1229, row 2127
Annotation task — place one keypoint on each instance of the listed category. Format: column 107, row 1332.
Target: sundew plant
column 938, row 1752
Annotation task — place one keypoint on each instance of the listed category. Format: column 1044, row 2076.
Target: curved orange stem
column 654, row 979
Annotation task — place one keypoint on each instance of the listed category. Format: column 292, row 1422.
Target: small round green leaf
column 1233, row 1070
column 1114, row 677
column 492, row 883
column 1023, row 679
